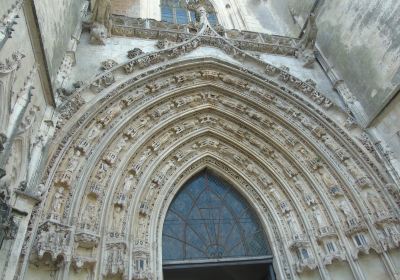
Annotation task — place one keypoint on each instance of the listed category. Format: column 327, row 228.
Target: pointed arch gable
column 145, row 119
column 243, row 185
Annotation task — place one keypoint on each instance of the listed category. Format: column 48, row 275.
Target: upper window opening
column 178, row 11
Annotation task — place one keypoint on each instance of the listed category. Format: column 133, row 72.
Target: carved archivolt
column 121, row 157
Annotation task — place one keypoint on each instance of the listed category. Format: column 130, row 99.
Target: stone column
column 22, row 210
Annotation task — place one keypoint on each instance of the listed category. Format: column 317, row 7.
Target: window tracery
column 181, row 12
column 208, row 219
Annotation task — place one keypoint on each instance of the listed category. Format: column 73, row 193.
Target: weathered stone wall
column 361, row 39
column 386, row 129
column 58, row 20
column 21, row 120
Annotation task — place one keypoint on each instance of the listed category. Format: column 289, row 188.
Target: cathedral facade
column 195, row 139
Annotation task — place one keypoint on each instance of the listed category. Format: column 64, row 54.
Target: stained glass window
column 176, row 11
column 208, row 219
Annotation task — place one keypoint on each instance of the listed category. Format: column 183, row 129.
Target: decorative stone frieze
column 8, row 21
column 11, row 64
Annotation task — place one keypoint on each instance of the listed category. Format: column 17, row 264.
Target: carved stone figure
column 134, row 53
column 73, row 162
column 102, row 14
column 128, row 183
column 293, row 225
column 138, row 165
column 115, row 259
column 98, row 34
column 116, row 219
column 163, row 172
column 89, row 216
column 95, row 131
column 58, row 200
column 375, row 202
column 328, row 179
column 275, row 194
column 108, row 64
column 346, row 208
column 319, row 218
column 111, row 113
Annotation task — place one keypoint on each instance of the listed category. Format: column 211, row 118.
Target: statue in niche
column 275, row 194
column 346, row 208
column 116, row 219
column 142, row 225
column 375, row 202
column 95, row 131
column 121, row 144
column 89, row 216
column 101, row 14
column 293, row 226
column 128, row 183
column 355, row 171
column 163, row 172
column 138, row 165
column 58, row 200
column 73, row 162
column 328, row 179
column 319, row 217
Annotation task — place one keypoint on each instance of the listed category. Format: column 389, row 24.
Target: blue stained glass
column 167, row 14
column 181, row 16
column 192, row 16
column 208, row 219
column 212, row 18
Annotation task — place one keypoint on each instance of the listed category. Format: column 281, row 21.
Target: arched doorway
column 211, row 232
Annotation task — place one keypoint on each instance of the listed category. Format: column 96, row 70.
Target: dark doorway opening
column 255, row 269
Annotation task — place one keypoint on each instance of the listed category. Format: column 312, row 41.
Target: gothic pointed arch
column 131, row 136
column 208, row 219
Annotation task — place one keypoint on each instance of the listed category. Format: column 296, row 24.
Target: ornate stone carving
column 116, row 222
column 377, row 205
column 138, row 165
column 64, row 178
column 57, row 203
column 98, row 33
column 89, row 217
column 162, row 175
column 101, row 14
column 395, row 192
column 11, row 64
column 86, row 239
column 108, row 64
column 54, row 239
column 134, row 53
column 261, row 138
column 82, row 262
column 141, row 262
column 8, row 21
column 115, row 259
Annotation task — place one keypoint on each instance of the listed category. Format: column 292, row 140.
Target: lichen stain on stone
column 363, row 46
